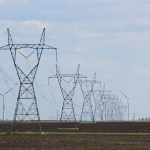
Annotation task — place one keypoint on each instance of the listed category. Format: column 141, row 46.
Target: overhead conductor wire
column 37, row 83
column 3, row 73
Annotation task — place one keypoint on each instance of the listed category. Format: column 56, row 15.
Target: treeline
column 144, row 119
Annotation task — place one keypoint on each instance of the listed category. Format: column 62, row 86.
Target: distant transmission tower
column 26, row 90
column 67, row 112
column 87, row 88
column 98, row 96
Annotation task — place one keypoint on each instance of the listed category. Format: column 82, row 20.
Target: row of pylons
column 107, row 106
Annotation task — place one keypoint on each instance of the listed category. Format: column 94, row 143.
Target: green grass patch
column 2, row 133
column 68, row 128
column 88, row 133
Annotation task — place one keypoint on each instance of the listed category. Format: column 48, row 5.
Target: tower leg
column 67, row 113
column 87, row 109
column 23, row 112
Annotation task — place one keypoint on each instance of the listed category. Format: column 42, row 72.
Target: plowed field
column 85, row 142
column 73, row 142
column 52, row 126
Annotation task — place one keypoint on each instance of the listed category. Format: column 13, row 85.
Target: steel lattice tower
column 106, row 104
column 98, row 98
column 26, row 90
column 87, row 106
column 111, row 107
column 67, row 112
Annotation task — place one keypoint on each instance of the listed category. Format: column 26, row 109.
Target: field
column 99, row 135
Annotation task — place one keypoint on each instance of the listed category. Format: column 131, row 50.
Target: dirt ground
column 83, row 142
column 51, row 126
column 72, row 142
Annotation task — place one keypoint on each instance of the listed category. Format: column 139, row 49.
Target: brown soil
column 72, row 142
column 83, row 142
column 112, row 127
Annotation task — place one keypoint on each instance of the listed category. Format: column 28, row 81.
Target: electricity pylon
column 67, row 112
column 121, row 108
column 4, row 102
column 128, row 98
column 87, row 88
column 105, row 105
column 26, row 90
column 98, row 96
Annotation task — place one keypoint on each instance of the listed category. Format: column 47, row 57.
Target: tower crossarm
column 78, row 76
column 20, row 46
column 68, row 75
column 88, row 81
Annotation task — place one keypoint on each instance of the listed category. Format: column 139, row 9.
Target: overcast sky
column 108, row 37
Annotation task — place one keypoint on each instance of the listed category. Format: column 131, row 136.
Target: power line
column 8, row 77
column 53, row 96
column 29, row 67
column 3, row 75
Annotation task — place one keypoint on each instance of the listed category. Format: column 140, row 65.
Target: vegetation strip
column 70, row 133
column 67, row 128
column 77, row 133
column 87, row 122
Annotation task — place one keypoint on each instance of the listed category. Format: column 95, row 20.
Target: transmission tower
column 26, row 90
column 107, row 105
column 87, row 88
column 98, row 96
column 121, row 110
column 104, row 104
column 112, row 106
column 67, row 112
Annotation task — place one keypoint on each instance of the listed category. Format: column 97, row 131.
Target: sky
column 109, row 37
